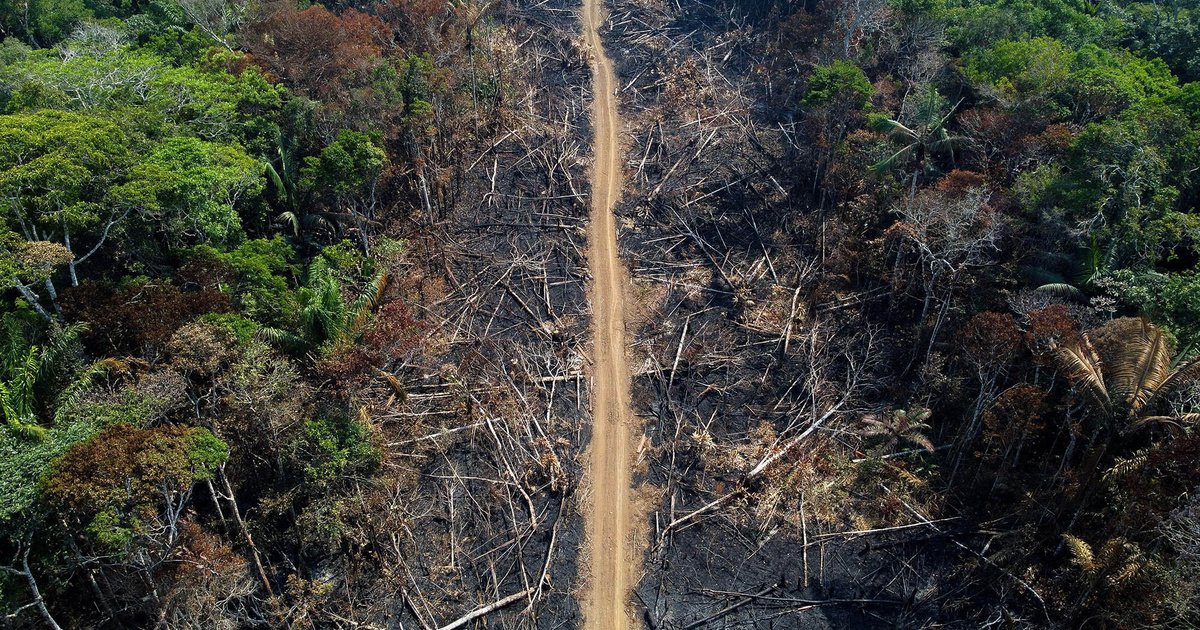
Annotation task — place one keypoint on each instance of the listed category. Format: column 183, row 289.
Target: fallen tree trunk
column 483, row 610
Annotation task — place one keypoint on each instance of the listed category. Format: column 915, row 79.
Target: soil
column 609, row 516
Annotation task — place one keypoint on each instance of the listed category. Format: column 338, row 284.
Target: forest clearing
column 517, row 314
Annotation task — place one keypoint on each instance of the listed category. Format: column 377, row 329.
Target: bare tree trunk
column 25, row 572
column 37, row 593
column 53, row 293
column 101, row 596
column 32, row 299
column 237, row 517
column 483, row 610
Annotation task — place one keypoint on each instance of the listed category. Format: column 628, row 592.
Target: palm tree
column 927, row 136
column 304, row 223
column 1127, row 383
column 1130, row 383
column 325, row 318
column 26, row 368
column 899, row 427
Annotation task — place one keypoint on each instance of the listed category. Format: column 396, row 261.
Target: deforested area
column 918, row 348
column 294, row 314
column 666, row 314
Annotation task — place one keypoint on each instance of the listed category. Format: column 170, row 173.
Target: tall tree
column 55, row 171
column 346, row 176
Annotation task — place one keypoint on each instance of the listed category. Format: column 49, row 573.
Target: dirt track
column 608, row 517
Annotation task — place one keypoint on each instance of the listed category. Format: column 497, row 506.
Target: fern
column 1125, row 466
column 1081, row 553
column 1120, row 560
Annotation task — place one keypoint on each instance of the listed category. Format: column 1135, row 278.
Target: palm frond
column 948, row 144
column 894, row 130
column 322, row 310
column 1126, row 466
column 56, row 351
column 873, row 426
column 1157, row 368
column 16, row 395
column 319, row 272
column 941, row 123
column 1083, row 368
column 393, row 382
column 366, row 303
column 274, row 177
column 1060, row 290
column 893, row 160
column 1188, row 419
column 1141, row 363
column 287, row 216
column 1170, row 422
column 1183, row 375
column 920, row 440
column 321, row 318
column 83, row 382
column 280, row 338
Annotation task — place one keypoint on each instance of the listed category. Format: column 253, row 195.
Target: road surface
column 609, row 515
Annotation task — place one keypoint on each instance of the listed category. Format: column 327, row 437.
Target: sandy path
column 607, row 518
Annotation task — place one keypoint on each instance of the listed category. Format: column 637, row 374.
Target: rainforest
column 604, row 314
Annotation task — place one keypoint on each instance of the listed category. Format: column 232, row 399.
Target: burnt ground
column 719, row 249
column 493, row 427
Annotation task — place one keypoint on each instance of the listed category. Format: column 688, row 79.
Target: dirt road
column 608, row 517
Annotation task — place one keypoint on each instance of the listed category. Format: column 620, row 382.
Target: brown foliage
column 201, row 349
column 317, row 52
column 392, row 333
column 1050, row 328
column 347, row 368
column 413, row 21
column 991, row 338
column 1013, row 417
column 1169, row 472
column 1056, row 138
column 137, row 320
column 122, row 467
column 209, row 585
column 958, row 183
column 991, row 128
